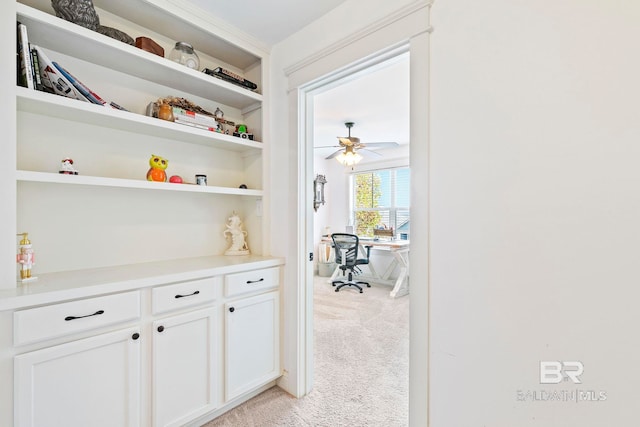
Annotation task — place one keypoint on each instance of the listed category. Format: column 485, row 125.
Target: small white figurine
column 66, row 167
column 234, row 230
column 26, row 258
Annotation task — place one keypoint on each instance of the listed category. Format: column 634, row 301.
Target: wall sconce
column 318, row 191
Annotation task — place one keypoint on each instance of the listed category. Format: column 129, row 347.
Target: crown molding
column 360, row 34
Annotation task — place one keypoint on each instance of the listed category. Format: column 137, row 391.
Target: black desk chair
column 346, row 245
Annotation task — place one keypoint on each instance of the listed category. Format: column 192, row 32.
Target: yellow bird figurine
column 157, row 171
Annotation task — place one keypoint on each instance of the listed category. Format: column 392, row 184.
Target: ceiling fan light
column 349, row 158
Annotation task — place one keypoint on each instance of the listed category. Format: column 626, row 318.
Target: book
column 192, row 117
column 84, row 90
column 36, row 69
column 195, row 125
column 26, row 68
column 229, row 76
column 54, row 80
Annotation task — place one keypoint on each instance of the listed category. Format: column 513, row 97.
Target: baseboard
column 229, row 406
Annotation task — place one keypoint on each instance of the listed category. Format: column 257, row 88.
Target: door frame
column 306, row 172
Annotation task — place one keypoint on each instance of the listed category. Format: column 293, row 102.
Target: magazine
column 84, row 90
column 54, row 80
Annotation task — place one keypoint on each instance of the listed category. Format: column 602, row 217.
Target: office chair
column 346, row 250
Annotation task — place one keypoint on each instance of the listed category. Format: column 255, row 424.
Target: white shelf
column 70, row 109
column 70, row 39
column 46, row 177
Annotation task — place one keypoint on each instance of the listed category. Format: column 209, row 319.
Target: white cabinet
column 252, row 338
column 170, row 352
column 89, row 382
column 184, row 367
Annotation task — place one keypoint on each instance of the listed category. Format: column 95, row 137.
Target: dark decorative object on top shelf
column 83, row 13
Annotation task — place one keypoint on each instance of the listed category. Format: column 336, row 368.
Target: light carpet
column 361, row 358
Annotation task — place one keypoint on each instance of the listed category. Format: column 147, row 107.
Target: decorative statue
column 234, row 230
column 26, row 258
column 66, row 167
column 157, row 170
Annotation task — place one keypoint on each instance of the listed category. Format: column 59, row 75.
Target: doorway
column 316, row 113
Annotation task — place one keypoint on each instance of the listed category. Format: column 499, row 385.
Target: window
column 380, row 199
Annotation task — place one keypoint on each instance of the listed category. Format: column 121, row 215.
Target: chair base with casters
column 350, row 282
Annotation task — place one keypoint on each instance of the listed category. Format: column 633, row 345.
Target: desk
column 400, row 251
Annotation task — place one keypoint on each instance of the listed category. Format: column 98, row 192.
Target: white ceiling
column 269, row 21
column 377, row 102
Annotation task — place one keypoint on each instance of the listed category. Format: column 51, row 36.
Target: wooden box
column 149, row 45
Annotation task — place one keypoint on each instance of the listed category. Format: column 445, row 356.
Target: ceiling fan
column 350, row 145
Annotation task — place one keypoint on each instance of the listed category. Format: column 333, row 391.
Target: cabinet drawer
column 42, row 323
column 184, row 294
column 251, row 281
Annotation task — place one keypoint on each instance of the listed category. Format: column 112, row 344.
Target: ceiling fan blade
column 331, row 156
column 369, row 152
column 328, row 146
column 381, row 144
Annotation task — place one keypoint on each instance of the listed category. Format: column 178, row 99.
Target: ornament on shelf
column 83, row 13
column 183, row 53
column 26, row 258
column 242, row 132
column 157, row 171
column 237, row 234
column 66, row 167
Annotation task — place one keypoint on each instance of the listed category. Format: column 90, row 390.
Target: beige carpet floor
column 361, row 360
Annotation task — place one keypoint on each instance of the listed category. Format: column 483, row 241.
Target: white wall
column 534, row 209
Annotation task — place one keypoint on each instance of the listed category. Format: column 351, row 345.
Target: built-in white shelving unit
column 111, row 147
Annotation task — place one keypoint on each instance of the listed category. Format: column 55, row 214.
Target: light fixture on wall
column 348, row 157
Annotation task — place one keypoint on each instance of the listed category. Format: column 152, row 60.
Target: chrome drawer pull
column 97, row 313
column 188, row 295
column 255, row 281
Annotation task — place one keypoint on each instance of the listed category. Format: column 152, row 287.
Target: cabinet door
column 183, row 367
column 252, row 343
column 90, row 382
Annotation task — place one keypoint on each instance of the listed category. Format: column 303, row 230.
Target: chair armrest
column 368, row 250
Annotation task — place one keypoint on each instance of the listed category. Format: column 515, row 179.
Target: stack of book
column 36, row 71
column 201, row 121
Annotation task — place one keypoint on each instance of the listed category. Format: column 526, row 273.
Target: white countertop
column 54, row 287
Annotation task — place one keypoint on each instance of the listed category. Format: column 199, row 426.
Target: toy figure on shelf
column 157, row 170
column 242, row 132
column 26, row 258
column 66, row 167
column 234, row 230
